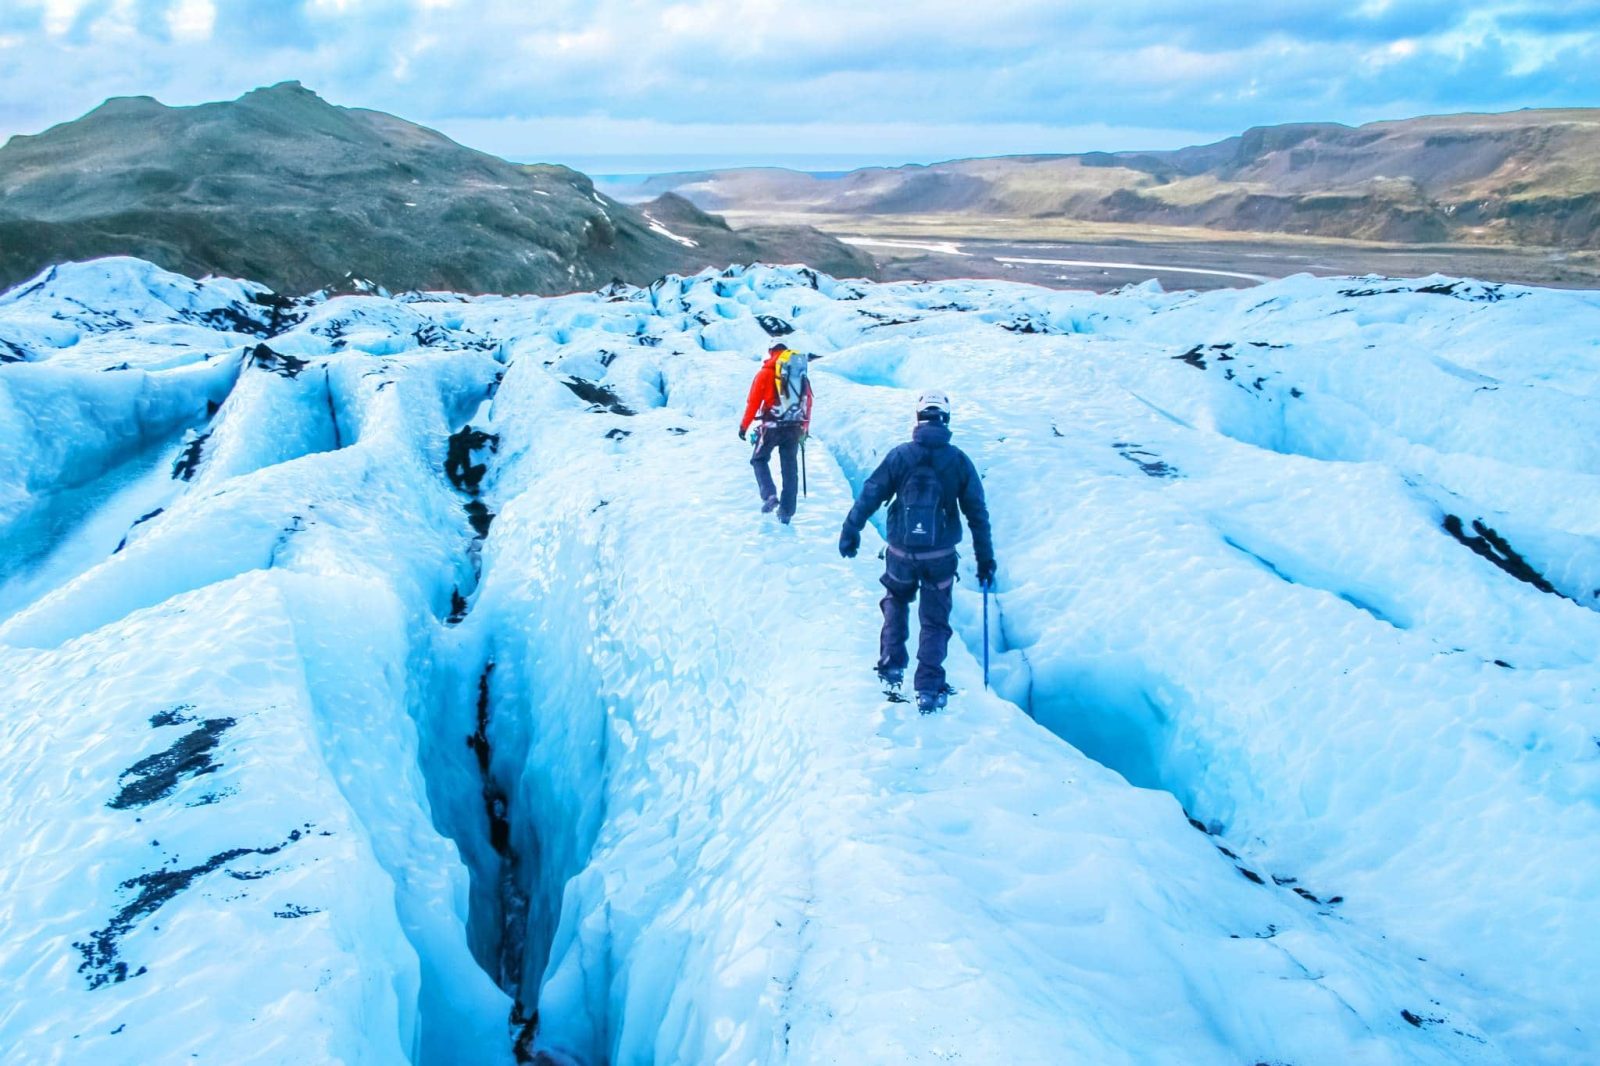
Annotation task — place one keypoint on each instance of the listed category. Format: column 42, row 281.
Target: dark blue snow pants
column 904, row 575
column 785, row 437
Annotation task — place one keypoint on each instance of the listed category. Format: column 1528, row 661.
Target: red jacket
column 764, row 396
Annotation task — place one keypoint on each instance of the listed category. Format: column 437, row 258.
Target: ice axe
column 805, row 489
column 986, row 636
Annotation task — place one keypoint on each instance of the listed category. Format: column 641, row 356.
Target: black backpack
column 922, row 511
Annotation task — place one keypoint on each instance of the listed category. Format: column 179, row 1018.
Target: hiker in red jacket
column 780, row 407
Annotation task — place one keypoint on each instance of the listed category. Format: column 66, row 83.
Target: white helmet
column 933, row 403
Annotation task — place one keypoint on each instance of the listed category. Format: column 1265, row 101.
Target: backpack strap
column 927, row 459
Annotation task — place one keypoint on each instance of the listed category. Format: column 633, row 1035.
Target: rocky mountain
column 283, row 187
column 1527, row 177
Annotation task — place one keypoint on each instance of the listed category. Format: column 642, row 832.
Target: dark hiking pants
column 904, row 575
column 785, row 437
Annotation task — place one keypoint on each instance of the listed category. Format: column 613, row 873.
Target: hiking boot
column 891, row 677
column 769, row 505
column 928, row 702
column 785, row 517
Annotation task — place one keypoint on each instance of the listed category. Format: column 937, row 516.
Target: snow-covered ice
column 414, row 679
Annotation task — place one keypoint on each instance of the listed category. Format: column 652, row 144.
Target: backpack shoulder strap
column 948, row 472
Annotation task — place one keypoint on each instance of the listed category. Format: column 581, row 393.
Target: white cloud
column 192, row 20
column 59, row 15
column 951, row 69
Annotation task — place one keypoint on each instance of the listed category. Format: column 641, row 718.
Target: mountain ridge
column 1526, row 177
column 282, row 186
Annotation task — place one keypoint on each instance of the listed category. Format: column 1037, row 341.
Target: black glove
column 986, row 574
column 741, row 434
column 849, row 542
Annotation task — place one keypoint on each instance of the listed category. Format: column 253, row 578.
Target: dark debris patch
column 494, row 799
column 234, row 319
column 458, row 608
column 187, row 464
column 297, row 524
column 479, row 517
column 1420, row 1020
column 1493, row 547
column 1196, row 356
column 1473, row 292
column 617, row 433
column 775, row 326
column 1027, row 324
column 1148, row 462
column 49, row 276
column 101, row 962
column 617, row 291
column 602, row 396
column 287, row 366
column 1360, row 293
column 95, row 320
column 172, row 716
column 525, row 1021
column 1470, row 291
column 295, row 910
column 430, row 335
column 137, row 522
column 158, row 776
column 464, row 474
column 880, row 320
column 282, row 311
column 12, row 353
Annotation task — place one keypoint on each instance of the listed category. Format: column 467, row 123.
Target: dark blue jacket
column 959, row 477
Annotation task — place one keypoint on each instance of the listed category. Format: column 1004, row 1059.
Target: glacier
column 413, row 679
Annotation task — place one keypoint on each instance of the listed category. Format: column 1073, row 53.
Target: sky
column 629, row 86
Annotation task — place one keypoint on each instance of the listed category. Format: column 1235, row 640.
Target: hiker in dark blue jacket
column 928, row 479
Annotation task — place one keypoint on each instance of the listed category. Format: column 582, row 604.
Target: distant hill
column 801, row 244
column 283, row 187
column 1526, row 177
